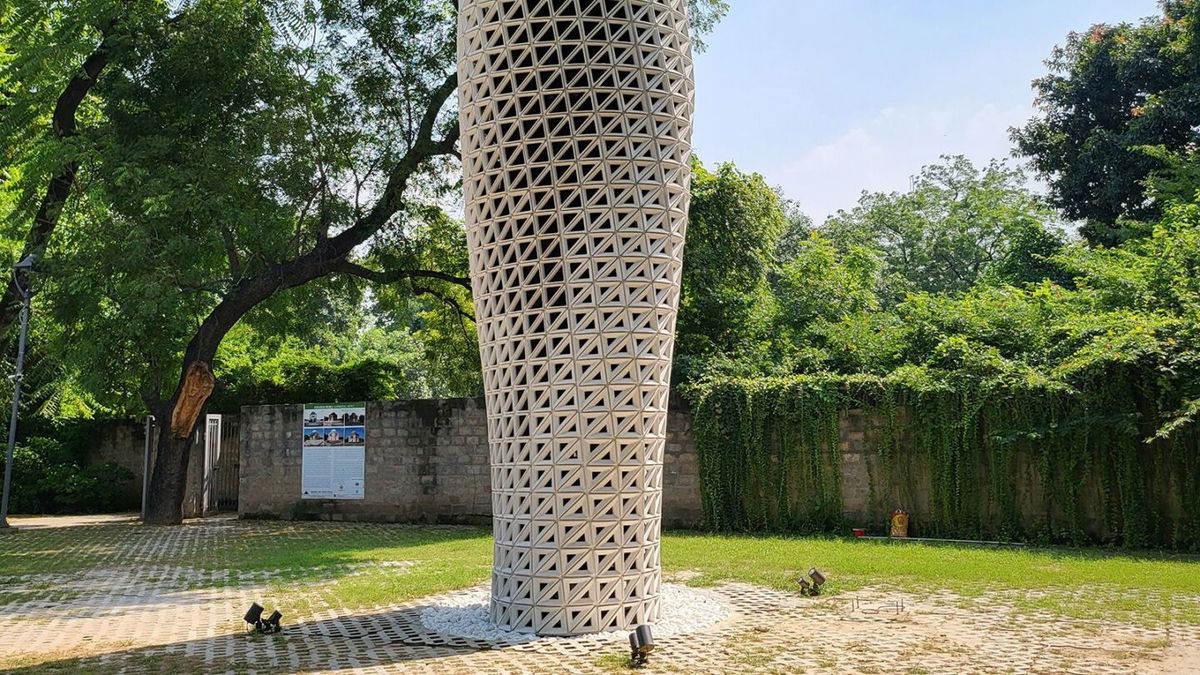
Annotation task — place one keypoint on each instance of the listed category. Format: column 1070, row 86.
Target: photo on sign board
column 314, row 437
column 354, row 435
column 335, row 436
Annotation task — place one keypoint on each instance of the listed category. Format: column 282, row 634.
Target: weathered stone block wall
column 124, row 443
column 869, row 494
column 681, row 469
column 426, row 461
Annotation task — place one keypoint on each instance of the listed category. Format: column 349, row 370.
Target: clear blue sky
column 827, row 98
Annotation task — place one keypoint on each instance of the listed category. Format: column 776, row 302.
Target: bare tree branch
column 450, row 302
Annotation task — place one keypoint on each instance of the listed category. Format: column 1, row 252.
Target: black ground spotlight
column 641, row 643
column 269, row 625
column 254, row 614
column 813, row 587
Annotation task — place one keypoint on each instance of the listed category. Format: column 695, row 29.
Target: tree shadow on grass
column 289, row 550
column 389, row 638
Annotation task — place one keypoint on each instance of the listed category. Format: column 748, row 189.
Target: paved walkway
column 140, row 606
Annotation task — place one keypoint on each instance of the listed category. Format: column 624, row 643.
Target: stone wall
column 868, row 496
column 426, row 461
column 124, row 443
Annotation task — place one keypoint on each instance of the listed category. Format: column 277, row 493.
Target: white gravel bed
column 465, row 614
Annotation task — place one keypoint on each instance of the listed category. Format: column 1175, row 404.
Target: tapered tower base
column 576, row 126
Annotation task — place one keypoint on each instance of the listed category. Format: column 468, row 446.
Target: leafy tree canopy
column 1111, row 91
column 957, row 224
column 726, row 304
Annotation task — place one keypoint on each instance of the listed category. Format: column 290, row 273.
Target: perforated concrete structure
column 576, row 127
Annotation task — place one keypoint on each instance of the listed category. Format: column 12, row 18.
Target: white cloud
column 881, row 154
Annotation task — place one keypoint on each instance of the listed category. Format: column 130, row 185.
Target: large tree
column 1111, row 91
column 51, row 57
column 241, row 149
column 246, row 148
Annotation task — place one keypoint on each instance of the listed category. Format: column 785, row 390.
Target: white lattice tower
column 576, row 143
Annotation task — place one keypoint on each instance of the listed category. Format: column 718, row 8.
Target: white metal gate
column 212, row 484
column 212, row 462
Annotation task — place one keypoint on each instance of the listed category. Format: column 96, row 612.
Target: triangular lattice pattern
column 576, row 132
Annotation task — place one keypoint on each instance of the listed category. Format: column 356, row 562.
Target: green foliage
column 769, row 453
column 343, row 363
column 1112, row 90
column 957, row 224
column 704, row 15
column 1093, row 384
column 49, row 478
column 818, row 283
column 223, row 139
column 797, row 231
column 726, row 304
column 1178, row 180
column 446, row 334
column 769, row 457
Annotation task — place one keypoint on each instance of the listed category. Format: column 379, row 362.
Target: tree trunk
column 178, row 419
column 177, row 424
column 168, row 479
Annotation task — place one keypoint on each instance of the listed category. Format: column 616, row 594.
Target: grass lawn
column 1076, row 583
column 350, row 561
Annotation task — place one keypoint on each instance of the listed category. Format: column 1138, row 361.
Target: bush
column 48, row 479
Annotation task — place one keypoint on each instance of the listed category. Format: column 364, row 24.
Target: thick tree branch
column 63, row 125
column 424, row 148
column 326, row 257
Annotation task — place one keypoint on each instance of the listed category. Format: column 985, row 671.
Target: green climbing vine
column 1009, row 460
column 769, row 454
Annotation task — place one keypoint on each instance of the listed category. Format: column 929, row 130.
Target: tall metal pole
column 16, row 404
column 146, row 463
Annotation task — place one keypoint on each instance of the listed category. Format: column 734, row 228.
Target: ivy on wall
column 1011, row 461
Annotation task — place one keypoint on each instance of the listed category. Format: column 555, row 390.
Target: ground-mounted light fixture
column 812, row 585
column 269, row 625
column 641, row 643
